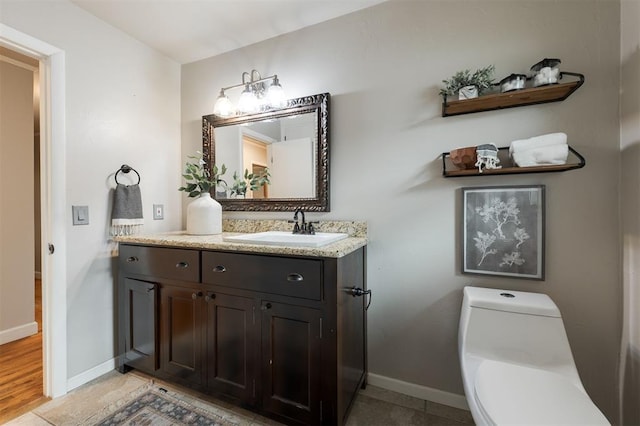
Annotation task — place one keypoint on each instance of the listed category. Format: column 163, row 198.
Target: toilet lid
column 510, row 394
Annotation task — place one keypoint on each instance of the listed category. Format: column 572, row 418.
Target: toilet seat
column 509, row 394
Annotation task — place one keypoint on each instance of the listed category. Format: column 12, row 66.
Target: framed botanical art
column 503, row 231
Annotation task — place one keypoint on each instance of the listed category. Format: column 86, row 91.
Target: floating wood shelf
column 449, row 170
column 535, row 95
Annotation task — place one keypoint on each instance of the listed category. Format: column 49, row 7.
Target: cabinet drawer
column 177, row 264
column 276, row 275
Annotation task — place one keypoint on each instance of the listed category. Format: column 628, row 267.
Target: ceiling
column 190, row 30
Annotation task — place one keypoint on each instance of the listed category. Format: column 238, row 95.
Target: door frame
column 53, row 203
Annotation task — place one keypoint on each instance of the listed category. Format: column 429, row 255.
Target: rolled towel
column 551, row 154
column 538, row 141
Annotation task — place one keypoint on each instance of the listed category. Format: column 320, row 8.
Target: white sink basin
column 281, row 238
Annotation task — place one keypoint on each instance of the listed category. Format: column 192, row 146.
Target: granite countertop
column 357, row 238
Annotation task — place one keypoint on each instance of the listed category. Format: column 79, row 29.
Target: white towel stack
column 546, row 149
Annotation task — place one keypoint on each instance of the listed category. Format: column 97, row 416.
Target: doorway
column 53, row 203
column 21, row 354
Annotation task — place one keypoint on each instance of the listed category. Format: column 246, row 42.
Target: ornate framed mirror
column 281, row 155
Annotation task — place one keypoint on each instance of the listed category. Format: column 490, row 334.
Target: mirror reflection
column 273, row 160
column 282, row 151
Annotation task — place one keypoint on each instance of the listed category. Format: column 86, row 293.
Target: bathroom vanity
column 276, row 329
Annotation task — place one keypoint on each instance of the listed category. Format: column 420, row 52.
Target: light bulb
column 275, row 94
column 223, row 106
column 248, row 101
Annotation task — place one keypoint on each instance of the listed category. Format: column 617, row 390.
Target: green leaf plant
column 481, row 78
column 198, row 178
column 252, row 181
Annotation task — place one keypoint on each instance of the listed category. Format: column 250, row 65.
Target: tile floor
column 373, row 406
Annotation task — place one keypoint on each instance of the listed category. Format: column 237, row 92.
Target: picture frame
column 503, row 231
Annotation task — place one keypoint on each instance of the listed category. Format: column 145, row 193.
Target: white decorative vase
column 204, row 216
column 468, row 92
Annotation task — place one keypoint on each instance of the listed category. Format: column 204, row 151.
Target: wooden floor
column 21, row 370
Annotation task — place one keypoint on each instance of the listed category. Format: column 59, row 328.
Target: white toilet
column 517, row 366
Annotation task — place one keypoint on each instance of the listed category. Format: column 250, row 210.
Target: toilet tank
column 512, row 326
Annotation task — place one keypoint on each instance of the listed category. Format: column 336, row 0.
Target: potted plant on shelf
column 468, row 85
column 204, row 214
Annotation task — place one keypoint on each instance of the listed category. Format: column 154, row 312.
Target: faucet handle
column 310, row 229
column 296, row 227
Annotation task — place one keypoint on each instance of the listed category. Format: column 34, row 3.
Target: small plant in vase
column 239, row 186
column 219, row 182
column 204, row 214
column 197, row 177
column 469, row 85
column 257, row 180
column 251, row 181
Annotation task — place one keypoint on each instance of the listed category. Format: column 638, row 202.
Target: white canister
column 513, row 82
column 546, row 72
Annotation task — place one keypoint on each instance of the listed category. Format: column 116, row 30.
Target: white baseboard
column 19, row 332
column 418, row 391
column 92, row 373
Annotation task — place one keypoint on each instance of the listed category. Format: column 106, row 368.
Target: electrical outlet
column 158, row 211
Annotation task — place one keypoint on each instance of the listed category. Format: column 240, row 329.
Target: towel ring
column 126, row 169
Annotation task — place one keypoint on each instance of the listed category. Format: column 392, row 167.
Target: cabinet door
column 291, row 361
column 182, row 333
column 232, row 348
column 140, row 350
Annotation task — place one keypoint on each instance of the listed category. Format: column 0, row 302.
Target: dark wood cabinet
column 283, row 335
column 139, row 321
column 182, row 333
column 291, row 343
column 232, row 350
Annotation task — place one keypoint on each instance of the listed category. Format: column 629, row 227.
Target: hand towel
column 553, row 154
column 126, row 216
column 538, row 141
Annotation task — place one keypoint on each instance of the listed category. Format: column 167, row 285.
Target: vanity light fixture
column 255, row 97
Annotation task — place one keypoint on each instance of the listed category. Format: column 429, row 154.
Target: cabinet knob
column 209, row 297
column 182, row 265
column 295, row 277
column 132, row 259
column 266, row 306
column 194, row 296
column 219, row 268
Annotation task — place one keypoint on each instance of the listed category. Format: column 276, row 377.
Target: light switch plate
column 158, row 211
column 80, row 215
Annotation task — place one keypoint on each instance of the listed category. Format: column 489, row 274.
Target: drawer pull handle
column 132, row 259
column 266, row 306
column 182, row 265
column 210, row 297
column 292, row 278
column 194, row 296
column 219, row 268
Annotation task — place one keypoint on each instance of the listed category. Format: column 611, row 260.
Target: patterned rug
column 156, row 406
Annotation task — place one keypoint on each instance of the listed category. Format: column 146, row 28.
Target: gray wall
column 383, row 67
